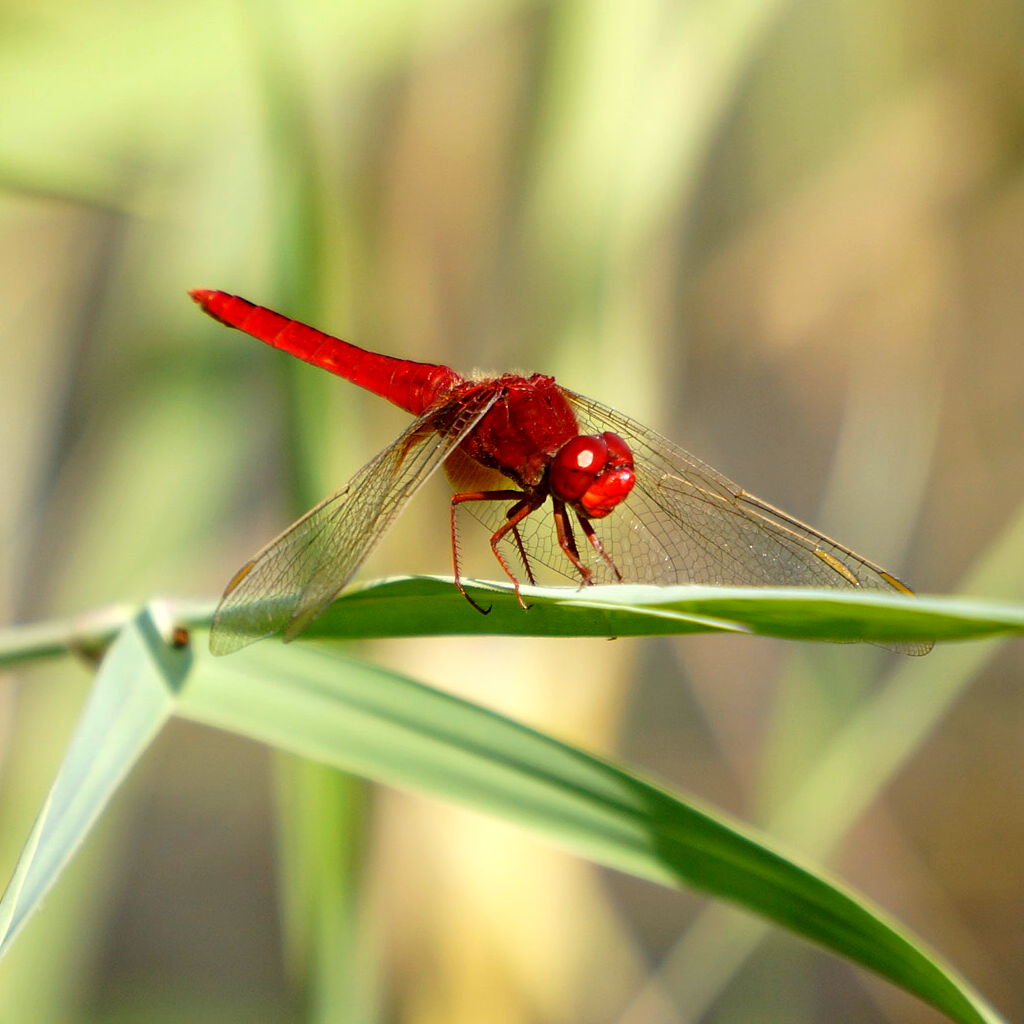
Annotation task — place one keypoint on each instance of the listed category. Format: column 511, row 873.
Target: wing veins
column 278, row 592
column 674, row 479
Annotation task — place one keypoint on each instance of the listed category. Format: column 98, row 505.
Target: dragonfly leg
column 525, row 504
column 567, row 542
column 595, row 542
column 514, row 517
column 521, row 548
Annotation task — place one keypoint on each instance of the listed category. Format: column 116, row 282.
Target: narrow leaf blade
column 132, row 698
column 381, row 725
column 431, row 606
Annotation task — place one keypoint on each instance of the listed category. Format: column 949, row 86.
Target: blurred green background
column 790, row 236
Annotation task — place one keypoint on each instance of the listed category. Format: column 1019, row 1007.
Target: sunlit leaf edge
column 430, row 606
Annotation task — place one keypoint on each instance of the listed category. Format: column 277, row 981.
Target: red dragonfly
column 508, row 444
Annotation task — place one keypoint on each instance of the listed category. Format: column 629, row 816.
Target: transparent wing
column 287, row 584
column 685, row 522
column 700, row 527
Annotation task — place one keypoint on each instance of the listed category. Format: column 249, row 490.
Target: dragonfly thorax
column 524, row 428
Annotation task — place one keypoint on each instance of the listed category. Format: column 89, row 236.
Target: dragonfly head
column 592, row 473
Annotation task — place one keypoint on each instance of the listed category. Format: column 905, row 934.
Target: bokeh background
column 788, row 235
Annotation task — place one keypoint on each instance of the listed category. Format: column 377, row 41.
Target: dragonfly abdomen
column 412, row 386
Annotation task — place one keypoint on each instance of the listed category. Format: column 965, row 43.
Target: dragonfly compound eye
column 620, row 455
column 613, row 483
column 575, row 467
column 593, row 473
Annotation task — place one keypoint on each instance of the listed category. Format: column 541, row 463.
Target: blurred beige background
column 788, row 235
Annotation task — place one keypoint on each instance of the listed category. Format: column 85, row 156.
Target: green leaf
column 430, row 605
column 379, row 724
column 388, row 728
column 132, row 698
